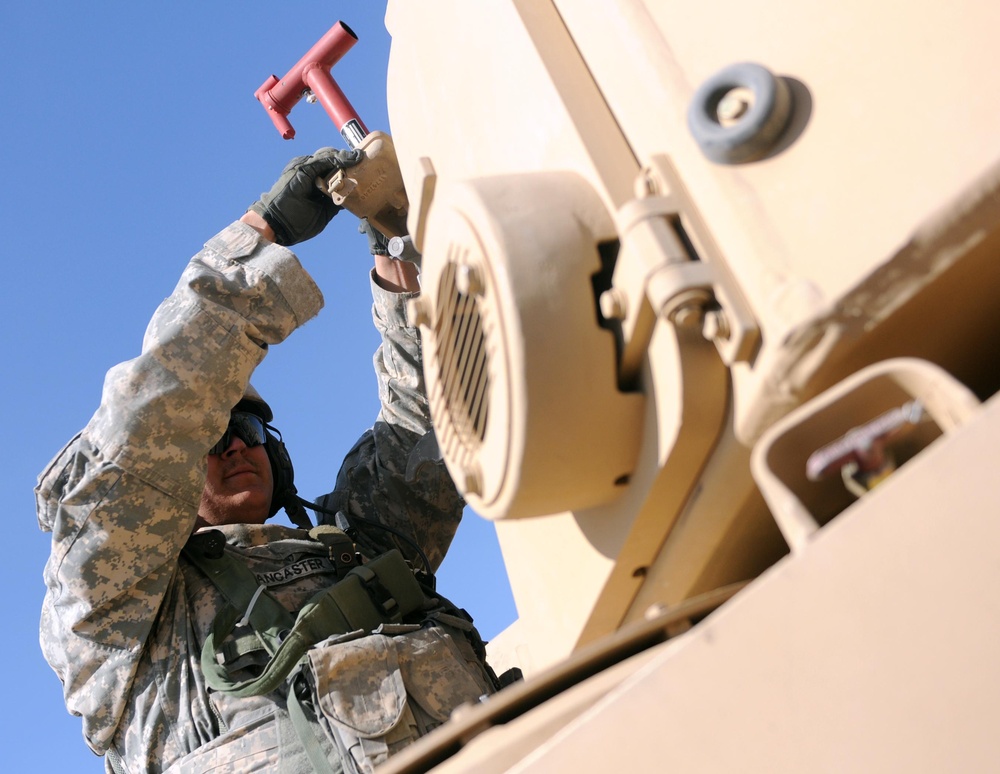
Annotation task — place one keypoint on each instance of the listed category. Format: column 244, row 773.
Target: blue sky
column 130, row 135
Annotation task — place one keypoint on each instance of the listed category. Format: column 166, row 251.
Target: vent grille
column 462, row 389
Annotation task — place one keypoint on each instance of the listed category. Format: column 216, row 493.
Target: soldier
column 189, row 634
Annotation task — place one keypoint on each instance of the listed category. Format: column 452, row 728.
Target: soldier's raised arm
column 122, row 497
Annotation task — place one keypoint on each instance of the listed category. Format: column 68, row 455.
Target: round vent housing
column 521, row 378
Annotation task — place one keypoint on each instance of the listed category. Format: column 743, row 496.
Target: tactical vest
column 341, row 631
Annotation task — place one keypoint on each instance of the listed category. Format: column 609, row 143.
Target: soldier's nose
column 235, row 445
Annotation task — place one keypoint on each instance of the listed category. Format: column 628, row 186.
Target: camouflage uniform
column 125, row 615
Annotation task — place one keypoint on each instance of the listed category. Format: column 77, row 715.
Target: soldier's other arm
column 394, row 474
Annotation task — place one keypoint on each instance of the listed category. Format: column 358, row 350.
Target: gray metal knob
column 740, row 113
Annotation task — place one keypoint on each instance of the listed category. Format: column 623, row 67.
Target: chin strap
column 296, row 513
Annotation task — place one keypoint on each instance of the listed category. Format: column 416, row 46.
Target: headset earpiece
column 284, row 495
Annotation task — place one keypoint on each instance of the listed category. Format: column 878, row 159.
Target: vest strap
column 384, row 591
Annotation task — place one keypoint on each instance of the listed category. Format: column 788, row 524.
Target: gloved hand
column 294, row 208
column 377, row 243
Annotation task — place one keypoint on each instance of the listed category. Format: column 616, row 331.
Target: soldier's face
column 238, row 487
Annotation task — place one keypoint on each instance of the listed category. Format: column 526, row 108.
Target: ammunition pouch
column 374, row 695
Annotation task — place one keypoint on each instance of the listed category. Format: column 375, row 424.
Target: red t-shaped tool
column 312, row 72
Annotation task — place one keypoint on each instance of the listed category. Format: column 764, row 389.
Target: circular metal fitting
column 613, row 304
column 716, row 326
column 469, row 281
column 740, row 113
column 688, row 315
column 687, row 308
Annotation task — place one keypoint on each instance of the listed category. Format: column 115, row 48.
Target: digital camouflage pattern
column 125, row 616
column 374, row 712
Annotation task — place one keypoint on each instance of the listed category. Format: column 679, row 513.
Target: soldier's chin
column 250, row 506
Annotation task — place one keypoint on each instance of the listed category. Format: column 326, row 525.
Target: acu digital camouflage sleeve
column 122, row 497
column 394, row 474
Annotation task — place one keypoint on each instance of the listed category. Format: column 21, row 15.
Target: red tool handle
column 312, row 72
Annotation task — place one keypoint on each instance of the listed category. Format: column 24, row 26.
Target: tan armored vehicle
column 711, row 322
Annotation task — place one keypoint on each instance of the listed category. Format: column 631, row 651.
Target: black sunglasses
column 249, row 428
